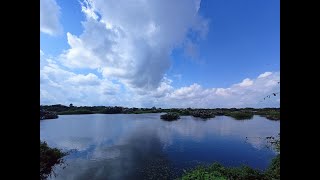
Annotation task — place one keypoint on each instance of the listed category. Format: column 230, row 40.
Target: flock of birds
column 273, row 94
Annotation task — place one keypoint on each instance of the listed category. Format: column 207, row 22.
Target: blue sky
column 192, row 53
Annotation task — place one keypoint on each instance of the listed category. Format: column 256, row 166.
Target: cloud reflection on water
column 122, row 146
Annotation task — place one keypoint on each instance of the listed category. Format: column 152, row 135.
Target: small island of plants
column 170, row 116
column 203, row 114
column 52, row 111
column 240, row 115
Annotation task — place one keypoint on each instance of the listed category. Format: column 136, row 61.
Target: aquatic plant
column 171, row 116
column 240, row 115
column 203, row 114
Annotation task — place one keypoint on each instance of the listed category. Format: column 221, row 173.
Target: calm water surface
column 142, row 146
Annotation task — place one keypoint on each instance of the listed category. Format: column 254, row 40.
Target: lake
column 142, row 146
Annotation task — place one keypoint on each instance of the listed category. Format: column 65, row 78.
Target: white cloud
column 248, row 93
column 125, row 49
column 60, row 86
column 246, row 82
column 132, row 41
column 266, row 74
column 80, row 79
column 41, row 53
column 88, row 10
column 49, row 17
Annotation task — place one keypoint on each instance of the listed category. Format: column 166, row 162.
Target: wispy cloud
column 59, row 85
column 49, row 17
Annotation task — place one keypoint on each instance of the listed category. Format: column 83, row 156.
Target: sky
column 162, row 53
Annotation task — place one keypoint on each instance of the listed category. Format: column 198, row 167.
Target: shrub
column 170, row 116
column 49, row 157
column 240, row 115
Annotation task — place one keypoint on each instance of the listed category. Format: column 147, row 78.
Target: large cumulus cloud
column 132, row 40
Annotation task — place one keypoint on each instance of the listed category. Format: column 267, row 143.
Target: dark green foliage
column 55, row 108
column 170, row 116
column 49, row 157
column 273, row 171
column 203, row 114
column 47, row 115
column 244, row 173
column 218, row 172
column 243, row 113
column 203, row 173
column 240, row 115
column 270, row 114
column 80, row 111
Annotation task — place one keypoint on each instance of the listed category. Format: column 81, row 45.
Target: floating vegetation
column 170, row 116
column 47, row 115
column 203, row 114
column 240, row 115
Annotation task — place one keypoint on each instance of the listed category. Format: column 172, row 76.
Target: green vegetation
column 170, row 116
column 218, row 172
column 49, row 157
column 80, row 111
column 47, row 115
column 273, row 171
column 240, row 115
column 203, row 114
column 273, row 114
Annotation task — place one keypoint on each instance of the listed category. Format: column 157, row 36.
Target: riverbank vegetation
column 49, row 158
column 271, row 114
column 47, row 115
column 216, row 171
column 240, row 115
column 237, row 113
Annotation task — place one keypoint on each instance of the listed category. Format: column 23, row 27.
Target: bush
column 203, row 114
column 49, row 157
column 47, row 115
column 170, row 116
column 240, row 115
column 273, row 171
column 217, row 172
